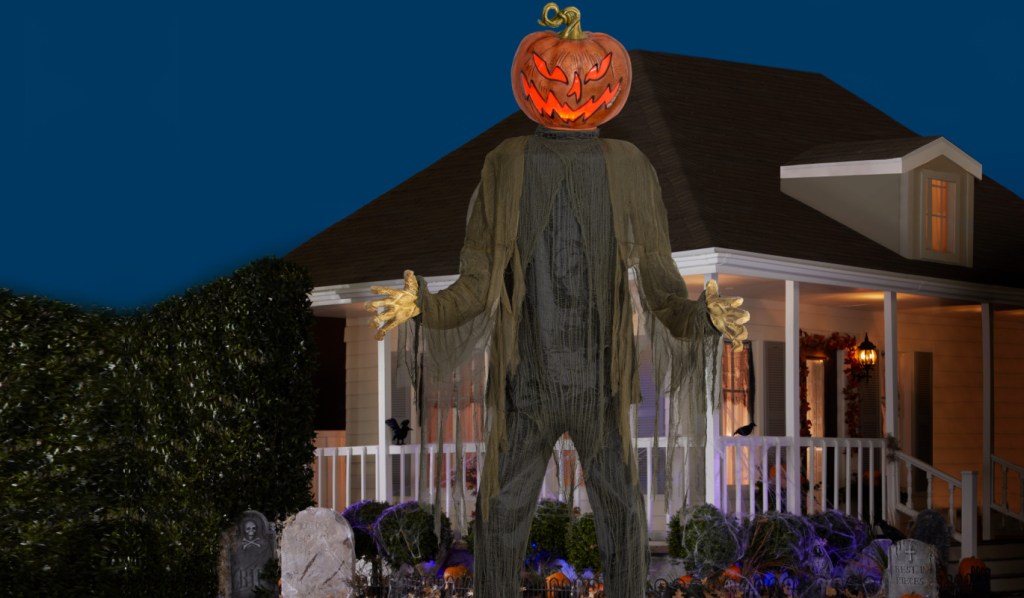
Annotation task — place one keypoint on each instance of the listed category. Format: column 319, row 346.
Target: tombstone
column 912, row 569
column 249, row 546
column 317, row 556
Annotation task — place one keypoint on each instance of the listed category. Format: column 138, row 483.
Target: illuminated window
column 938, row 203
column 737, row 389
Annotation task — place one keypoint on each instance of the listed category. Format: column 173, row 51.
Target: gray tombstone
column 250, row 545
column 912, row 569
column 317, row 556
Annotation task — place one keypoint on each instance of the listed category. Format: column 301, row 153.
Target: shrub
column 844, row 535
column 548, row 531
column 405, row 534
column 931, row 527
column 704, row 538
column 361, row 516
column 128, row 442
column 581, row 550
column 779, row 541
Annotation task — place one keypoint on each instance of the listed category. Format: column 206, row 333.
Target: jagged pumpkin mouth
column 552, row 107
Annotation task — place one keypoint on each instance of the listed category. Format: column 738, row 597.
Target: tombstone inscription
column 912, row 569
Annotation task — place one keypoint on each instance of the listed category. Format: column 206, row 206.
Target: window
column 737, row 388
column 943, row 221
column 939, row 196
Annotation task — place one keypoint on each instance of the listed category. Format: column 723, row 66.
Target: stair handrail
column 965, row 528
column 1004, row 506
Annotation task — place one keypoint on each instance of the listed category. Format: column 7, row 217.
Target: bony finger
column 410, row 281
column 711, row 288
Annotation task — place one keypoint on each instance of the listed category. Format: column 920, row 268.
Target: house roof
column 717, row 133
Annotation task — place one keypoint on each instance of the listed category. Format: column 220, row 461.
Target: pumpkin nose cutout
column 577, row 88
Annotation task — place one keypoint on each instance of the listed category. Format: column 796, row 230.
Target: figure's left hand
column 726, row 315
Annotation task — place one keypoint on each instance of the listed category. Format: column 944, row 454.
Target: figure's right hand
column 399, row 305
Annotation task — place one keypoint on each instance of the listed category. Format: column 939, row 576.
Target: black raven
column 744, row 430
column 399, row 433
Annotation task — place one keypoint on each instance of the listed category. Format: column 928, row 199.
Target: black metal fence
column 976, row 585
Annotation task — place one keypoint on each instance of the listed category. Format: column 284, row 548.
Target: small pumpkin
column 456, row 572
column 969, row 564
column 684, row 580
column 732, row 573
column 570, row 80
column 911, row 596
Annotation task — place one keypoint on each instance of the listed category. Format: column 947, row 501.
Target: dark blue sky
column 149, row 147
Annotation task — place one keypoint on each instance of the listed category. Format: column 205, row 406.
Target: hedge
column 128, row 442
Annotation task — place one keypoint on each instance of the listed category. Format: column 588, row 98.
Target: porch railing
column 835, row 473
column 1002, row 473
column 914, row 481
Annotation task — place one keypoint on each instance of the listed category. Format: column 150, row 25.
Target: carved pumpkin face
column 571, row 80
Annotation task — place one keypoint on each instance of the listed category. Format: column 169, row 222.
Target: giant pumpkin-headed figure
column 556, row 226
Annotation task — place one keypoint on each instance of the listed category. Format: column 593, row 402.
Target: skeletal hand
column 399, row 305
column 726, row 315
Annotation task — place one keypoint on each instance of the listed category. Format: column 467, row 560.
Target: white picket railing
column 859, row 476
column 836, row 473
column 1002, row 472
column 905, row 469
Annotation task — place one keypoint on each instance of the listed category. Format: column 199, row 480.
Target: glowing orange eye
column 557, row 75
column 598, row 70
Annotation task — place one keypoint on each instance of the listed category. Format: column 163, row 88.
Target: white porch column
column 987, row 420
column 892, row 399
column 892, row 360
column 712, row 466
column 383, row 404
column 793, row 396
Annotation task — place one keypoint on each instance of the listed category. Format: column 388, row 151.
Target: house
column 835, row 223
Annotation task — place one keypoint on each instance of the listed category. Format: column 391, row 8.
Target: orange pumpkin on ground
column 456, row 572
column 570, row 80
column 969, row 564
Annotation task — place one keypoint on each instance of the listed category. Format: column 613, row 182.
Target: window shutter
column 774, row 388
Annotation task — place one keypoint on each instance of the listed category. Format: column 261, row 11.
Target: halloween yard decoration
column 557, row 223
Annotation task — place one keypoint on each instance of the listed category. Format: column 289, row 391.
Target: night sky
column 149, row 147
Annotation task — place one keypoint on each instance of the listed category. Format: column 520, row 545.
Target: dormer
column 913, row 195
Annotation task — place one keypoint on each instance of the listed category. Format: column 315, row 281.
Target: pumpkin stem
column 570, row 17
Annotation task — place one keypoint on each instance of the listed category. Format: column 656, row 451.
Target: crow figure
column 399, row 432
column 888, row 531
column 745, row 430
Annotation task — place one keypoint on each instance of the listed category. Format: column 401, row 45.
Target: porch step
column 1005, row 558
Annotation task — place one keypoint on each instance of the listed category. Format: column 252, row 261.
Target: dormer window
column 944, row 216
column 914, row 196
column 940, row 193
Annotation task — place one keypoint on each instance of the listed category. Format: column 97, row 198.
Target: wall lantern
column 867, row 356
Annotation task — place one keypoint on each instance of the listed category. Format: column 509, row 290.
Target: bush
column 548, row 531
column 128, row 442
column 779, row 541
column 931, row 527
column 405, row 534
column 581, row 549
column 361, row 516
column 844, row 535
column 705, row 539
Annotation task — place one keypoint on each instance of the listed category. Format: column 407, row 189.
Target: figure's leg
column 500, row 541
column 619, row 512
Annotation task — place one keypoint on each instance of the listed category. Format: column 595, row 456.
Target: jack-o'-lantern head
column 570, row 80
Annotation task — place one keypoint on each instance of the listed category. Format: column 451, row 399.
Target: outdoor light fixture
column 867, row 356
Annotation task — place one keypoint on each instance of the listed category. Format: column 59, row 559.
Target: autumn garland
column 817, row 343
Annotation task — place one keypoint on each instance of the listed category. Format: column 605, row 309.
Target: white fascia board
column 715, row 260
column 941, row 147
column 914, row 159
column 854, row 168
column 729, row 261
